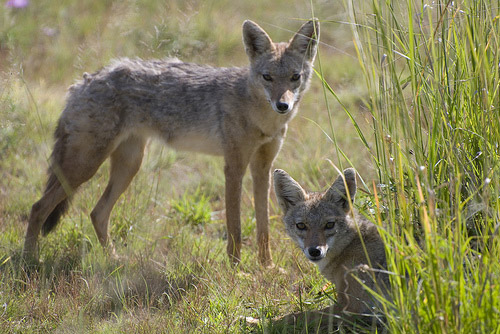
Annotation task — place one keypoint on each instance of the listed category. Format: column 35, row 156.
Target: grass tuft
column 432, row 78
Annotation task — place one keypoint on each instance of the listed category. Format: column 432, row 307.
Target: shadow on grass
column 322, row 321
column 146, row 286
column 104, row 288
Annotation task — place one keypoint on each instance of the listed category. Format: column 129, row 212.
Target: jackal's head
column 281, row 70
column 317, row 222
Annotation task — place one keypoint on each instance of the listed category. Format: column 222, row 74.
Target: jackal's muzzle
column 316, row 253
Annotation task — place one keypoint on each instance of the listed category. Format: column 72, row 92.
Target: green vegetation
column 406, row 92
column 432, row 75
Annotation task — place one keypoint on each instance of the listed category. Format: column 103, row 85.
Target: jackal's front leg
column 260, row 167
column 234, row 171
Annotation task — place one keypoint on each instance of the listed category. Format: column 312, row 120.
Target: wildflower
column 17, row 3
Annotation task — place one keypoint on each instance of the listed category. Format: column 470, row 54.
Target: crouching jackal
column 239, row 113
column 346, row 247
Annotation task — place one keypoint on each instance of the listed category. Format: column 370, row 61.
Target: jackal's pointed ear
column 337, row 192
column 305, row 41
column 256, row 40
column 288, row 192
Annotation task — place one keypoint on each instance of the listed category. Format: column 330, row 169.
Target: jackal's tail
column 56, row 180
column 55, row 216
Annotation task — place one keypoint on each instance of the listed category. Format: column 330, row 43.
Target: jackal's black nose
column 282, row 106
column 314, row 252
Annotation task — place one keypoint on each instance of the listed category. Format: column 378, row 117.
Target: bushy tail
column 55, row 181
column 55, row 216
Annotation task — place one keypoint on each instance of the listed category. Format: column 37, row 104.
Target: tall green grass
column 432, row 80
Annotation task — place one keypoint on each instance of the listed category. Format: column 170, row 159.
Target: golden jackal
column 346, row 247
column 239, row 113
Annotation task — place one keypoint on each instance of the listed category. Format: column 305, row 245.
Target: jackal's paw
column 28, row 262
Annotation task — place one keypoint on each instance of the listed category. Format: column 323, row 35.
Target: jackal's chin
column 315, row 259
column 283, row 112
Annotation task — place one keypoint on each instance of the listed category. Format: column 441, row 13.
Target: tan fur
column 345, row 246
column 239, row 113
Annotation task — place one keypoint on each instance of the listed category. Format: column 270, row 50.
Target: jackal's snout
column 316, row 253
column 282, row 106
column 284, row 103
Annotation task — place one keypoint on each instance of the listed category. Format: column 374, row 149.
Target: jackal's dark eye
column 295, row 77
column 301, row 226
column 267, row 77
column 329, row 225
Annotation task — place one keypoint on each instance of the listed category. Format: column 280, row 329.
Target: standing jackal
column 240, row 113
column 346, row 247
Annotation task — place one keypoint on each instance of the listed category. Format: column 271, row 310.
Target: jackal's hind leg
column 69, row 170
column 53, row 195
column 125, row 162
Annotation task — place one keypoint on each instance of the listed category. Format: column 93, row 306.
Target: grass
column 432, row 77
column 406, row 92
